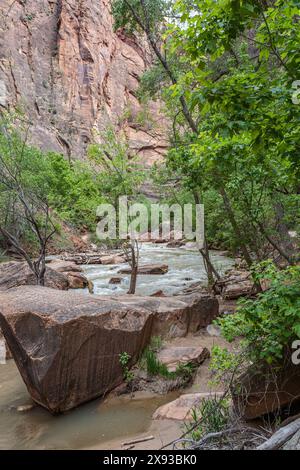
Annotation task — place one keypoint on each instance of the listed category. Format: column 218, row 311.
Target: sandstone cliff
column 62, row 62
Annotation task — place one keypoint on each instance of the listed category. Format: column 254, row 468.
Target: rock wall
column 63, row 64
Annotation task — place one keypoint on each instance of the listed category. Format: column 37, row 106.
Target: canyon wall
column 62, row 63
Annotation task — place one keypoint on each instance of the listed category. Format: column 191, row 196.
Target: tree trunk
column 209, row 268
column 134, row 269
column 235, row 227
column 281, row 436
column 133, row 279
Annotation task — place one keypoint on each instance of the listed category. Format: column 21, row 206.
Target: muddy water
column 100, row 421
column 87, row 426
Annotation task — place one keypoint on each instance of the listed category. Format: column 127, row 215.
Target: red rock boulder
column 67, row 345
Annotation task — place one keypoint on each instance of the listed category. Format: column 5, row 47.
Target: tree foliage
column 227, row 70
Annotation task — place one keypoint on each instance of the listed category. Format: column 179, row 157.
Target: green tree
column 24, row 203
column 226, row 71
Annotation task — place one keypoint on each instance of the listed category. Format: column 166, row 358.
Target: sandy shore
column 164, row 432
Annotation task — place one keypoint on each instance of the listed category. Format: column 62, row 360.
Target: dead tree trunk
column 209, row 268
column 132, row 257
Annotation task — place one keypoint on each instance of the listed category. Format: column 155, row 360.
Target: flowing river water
column 100, row 420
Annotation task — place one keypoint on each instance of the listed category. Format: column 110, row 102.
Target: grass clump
column 150, row 362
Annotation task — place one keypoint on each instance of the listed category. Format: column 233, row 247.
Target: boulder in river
column 79, row 281
column 148, row 269
column 64, row 266
column 112, row 259
column 115, row 280
column 67, row 345
column 73, row 272
column 95, row 258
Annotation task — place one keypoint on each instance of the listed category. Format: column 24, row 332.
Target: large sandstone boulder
column 64, row 266
column 267, row 390
column 67, row 345
column 73, row 272
column 176, row 316
column 14, row 274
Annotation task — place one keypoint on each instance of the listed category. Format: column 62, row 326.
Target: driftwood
column 92, row 258
column 281, row 436
column 137, row 441
column 84, row 258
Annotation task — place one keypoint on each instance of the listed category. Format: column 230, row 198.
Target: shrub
column 212, row 416
column 269, row 324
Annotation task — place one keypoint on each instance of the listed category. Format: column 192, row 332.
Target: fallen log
column 281, row 436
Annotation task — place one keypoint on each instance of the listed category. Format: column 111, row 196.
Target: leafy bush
column 124, row 359
column 74, row 190
column 269, row 324
column 212, row 416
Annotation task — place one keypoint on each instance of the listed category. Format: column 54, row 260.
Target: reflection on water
column 185, row 268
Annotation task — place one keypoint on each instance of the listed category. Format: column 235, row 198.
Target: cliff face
column 63, row 64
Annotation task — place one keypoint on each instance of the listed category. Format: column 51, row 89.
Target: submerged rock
column 67, row 345
column 116, row 280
